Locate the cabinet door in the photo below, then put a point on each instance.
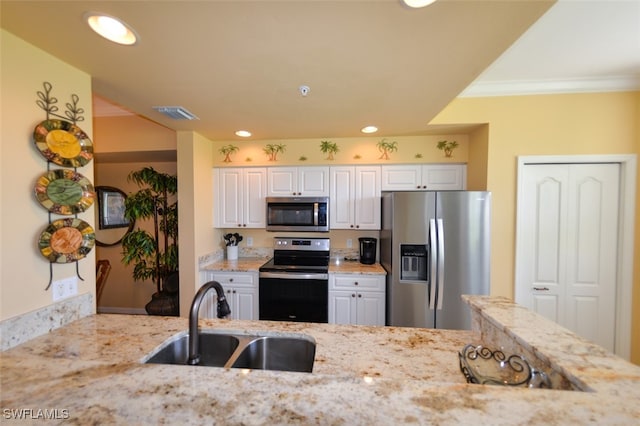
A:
(228, 198)
(246, 303)
(342, 194)
(442, 177)
(367, 198)
(313, 181)
(342, 307)
(282, 181)
(255, 192)
(401, 177)
(370, 308)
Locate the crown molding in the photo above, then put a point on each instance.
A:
(546, 87)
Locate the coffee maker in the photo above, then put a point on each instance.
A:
(367, 250)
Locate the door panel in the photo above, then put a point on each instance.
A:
(567, 246)
(592, 252)
(546, 305)
(542, 211)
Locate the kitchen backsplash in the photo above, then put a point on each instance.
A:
(21, 328)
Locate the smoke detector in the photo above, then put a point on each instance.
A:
(175, 112)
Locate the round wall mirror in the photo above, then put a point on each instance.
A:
(112, 225)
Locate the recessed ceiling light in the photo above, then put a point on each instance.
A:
(418, 3)
(243, 133)
(113, 29)
(369, 129)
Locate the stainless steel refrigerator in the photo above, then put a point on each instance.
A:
(435, 246)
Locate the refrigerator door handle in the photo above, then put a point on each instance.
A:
(433, 256)
(440, 263)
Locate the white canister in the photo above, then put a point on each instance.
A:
(232, 252)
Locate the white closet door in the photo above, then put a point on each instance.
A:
(592, 242)
(567, 246)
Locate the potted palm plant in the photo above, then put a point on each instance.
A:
(154, 256)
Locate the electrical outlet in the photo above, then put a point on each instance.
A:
(249, 241)
(66, 287)
(349, 243)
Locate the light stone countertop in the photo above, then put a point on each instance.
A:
(362, 375)
(252, 264)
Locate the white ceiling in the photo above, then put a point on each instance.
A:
(577, 46)
(239, 64)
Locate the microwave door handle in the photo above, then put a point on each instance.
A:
(315, 213)
(440, 263)
(433, 257)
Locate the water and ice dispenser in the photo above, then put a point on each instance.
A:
(413, 262)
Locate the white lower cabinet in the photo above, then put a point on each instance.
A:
(357, 299)
(241, 290)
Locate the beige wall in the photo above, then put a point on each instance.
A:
(195, 204)
(132, 133)
(354, 151)
(120, 291)
(24, 272)
(124, 136)
(573, 124)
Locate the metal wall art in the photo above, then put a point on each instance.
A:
(61, 191)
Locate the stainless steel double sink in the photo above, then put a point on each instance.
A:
(238, 350)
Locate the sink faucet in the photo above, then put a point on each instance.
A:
(223, 311)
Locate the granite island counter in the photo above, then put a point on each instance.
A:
(91, 372)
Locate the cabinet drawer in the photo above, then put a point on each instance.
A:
(355, 282)
(236, 280)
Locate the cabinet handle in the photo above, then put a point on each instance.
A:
(355, 283)
(541, 288)
(233, 291)
(353, 295)
(424, 186)
(350, 226)
(359, 295)
(230, 280)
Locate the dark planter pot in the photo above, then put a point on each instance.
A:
(164, 304)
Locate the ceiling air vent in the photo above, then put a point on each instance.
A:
(175, 112)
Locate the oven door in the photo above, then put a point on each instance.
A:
(294, 296)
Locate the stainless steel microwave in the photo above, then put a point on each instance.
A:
(298, 214)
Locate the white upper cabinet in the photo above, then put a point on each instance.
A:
(427, 177)
(298, 181)
(354, 197)
(240, 197)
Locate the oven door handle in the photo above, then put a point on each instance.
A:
(294, 275)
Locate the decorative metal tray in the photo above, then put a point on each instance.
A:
(484, 366)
